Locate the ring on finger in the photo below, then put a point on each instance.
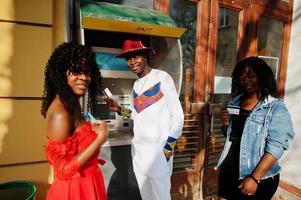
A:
(168, 153)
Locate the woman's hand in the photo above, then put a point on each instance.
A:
(248, 186)
(224, 117)
(101, 130)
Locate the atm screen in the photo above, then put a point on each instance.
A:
(111, 66)
(103, 113)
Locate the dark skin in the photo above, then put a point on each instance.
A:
(60, 124)
(138, 65)
(249, 82)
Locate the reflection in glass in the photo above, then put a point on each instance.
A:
(223, 19)
(226, 42)
(184, 14)
(221, 98)
(270, 34)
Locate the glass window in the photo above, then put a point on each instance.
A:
(226, 42)
(270, 34)
(226, 56)
(184, 14)
(223, 18)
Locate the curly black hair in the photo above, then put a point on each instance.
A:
(77, 59)
(265, 76)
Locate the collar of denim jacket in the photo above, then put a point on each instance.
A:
(265, 103)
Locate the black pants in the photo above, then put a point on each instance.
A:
(228, 181)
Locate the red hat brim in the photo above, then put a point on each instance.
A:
(136, 50)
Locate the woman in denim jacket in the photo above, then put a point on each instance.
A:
(259, 131)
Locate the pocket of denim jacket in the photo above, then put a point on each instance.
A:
(256, 124)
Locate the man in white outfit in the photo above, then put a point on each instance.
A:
(158, 122)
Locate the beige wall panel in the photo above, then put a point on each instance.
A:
(28, 50)
(35, 11)
(22, 131)
(59, 22)
(36, 173)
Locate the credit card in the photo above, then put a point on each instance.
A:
(107, 92)
(233, 110)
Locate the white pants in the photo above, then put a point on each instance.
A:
(153, 188)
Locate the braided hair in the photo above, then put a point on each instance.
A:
(265, 76)
(77, 59)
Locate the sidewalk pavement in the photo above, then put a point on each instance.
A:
(282, 194)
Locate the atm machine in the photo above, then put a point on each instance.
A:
(105, 26)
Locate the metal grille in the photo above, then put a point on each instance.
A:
(215, 144)
(187, 145)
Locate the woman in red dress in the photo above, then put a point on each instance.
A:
(73, 143)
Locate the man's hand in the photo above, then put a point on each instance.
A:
(167, 154)
(112, 105)
(169, 147)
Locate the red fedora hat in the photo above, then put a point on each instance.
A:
(133, 46)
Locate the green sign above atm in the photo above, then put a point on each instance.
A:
(119, 18)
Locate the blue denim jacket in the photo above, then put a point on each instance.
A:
(267, 129)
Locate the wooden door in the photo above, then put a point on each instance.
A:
(219, 33)
(240, 29)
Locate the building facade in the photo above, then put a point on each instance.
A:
(219, 33)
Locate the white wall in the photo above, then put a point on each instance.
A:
(291, 161)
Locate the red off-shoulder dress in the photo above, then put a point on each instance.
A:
(73, 182)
